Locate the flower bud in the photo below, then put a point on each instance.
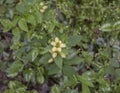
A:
(60, 42)
(41, 4)
(54, 55)
(50, 60)
(59, 49)
(42, 10)
(45, 7)
(56, 39)
(53, 43)
(54, 49)
(62, 45)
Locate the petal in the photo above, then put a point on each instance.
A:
(50, 60)
(62, 55)
(53, 43)
(42, 11)
(54, 54)
(56, 39)
(45, 7)
(54, 49)
(41, 4)
(62, 45)
(59, 49)
(60, 42)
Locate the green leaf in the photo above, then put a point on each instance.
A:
(59, 61)
(116, 26)
(33, 91)
(12, 84)
(69, 71)
(2, 10)
(74, 61)
(10, 13)
(1, 47)
(34, 54)
(2, 65)
(115, 64)
(72, 54)
(110, 69)
(84, 80)
(21, 8)
(117, 71)
(52, 71)
(85, 89)
(44, 59)
(29, 75)
(1, 2)
(40, 78)
(31, 19)
(23, 25)
(50, 26)
(16, 34)
(9, 91)
(16, 87)
(15, 21)
(55, 89)
(7, 24)
(106, 27)
(74, 40)
(69, 90)
(117, 90)
(14, 69)
(27, 58)
(38, 17)
(9, 1)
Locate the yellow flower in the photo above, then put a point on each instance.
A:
(57, 39)
(54, 54)
(59, 49)
(54, 49)
(62, 45)
(53, 43)
(42, 10)
(60, 42)
(41, 4)
(50, 60)
(45, 7)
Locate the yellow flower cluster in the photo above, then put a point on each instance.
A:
(44, 7)
(58, 45)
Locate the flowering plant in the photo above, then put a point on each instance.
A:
(57, 49)
(59, 46)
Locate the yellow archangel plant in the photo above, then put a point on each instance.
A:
(44, 7)
(57, 46)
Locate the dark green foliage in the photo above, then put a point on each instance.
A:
(59, 46)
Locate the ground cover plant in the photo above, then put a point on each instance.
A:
(59, 46)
